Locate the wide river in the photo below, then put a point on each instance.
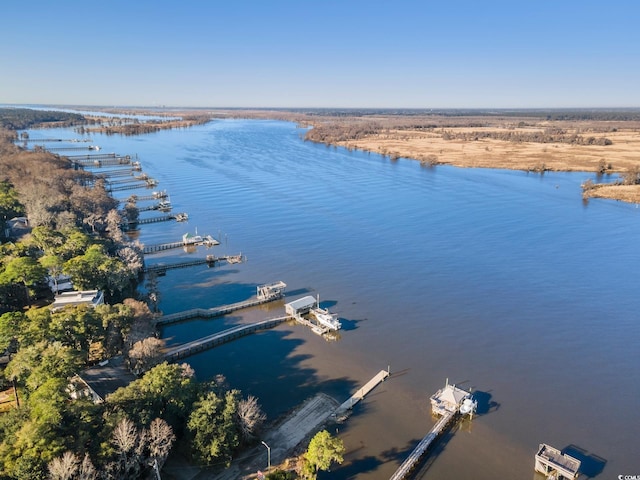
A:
(503, 282)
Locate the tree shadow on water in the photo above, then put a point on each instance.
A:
(266, 365)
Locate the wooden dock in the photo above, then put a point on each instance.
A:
(162, 218)
(213, 312)
(210, 260)
(207, 241)
(216, 339)
(412, 460)
(362, 392)
(128, 186)
(94, 156)
(120, 172)
(155, 206)
(60, 149)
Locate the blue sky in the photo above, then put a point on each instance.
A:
(359, 54)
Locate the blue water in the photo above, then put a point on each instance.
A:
(504, 282)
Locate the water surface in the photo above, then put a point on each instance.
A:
(500, 281)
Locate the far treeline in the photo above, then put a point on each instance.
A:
(21, 118)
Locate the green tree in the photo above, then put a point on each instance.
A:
(11, 324)
(36, 364)
(77, 242)
(53, 263)
(166, 391)
(36, 329)
(323, 451)
(46, 239)
(213, 427)
(25, 270)
(77, 327)
(96, 269)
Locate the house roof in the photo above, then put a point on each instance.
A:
(77, 298)
(107, 378)
(301, 303)
(452, 394)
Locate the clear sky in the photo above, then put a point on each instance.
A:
(322, 53)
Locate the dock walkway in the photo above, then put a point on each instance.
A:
(212, 312)
(413, 459)
(362, 392)
(210, 260)
(211, 341)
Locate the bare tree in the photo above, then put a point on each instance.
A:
(250, 416)
(114, 221)
(129, 444)
(87, 471)
(133, 258)
(161, 439)
(146, 354)
(64, 467)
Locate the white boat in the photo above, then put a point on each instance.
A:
(164, 204)
(468, 406)
(188, 239)
(326, 318)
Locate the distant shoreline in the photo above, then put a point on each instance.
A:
(597, 142)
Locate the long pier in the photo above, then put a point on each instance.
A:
(210, 260)
(207, 241)
(128, 186)
(216, 339)
(60, 149)
(213, 312)
(127, 179)
(92, 156)
(412, 460)
(73, 140)
(119, 172)
(362, 392)
(155, 206)
(154, 196)
(163, 218)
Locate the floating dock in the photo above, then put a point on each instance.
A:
(265, 294)
(555, 464)
(216, 339)
(451, 403)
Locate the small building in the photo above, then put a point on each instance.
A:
(555, 464)
(301, 306)
(448, 399)
(83, 297)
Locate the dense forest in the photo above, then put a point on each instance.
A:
(21, 118)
